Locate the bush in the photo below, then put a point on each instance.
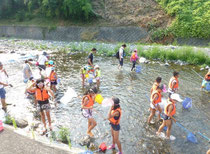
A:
(64, 134)
(191, 17)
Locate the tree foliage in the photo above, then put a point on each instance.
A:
(192, 17)
(65, 9)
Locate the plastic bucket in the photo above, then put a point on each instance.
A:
(1, 126)
(187, 103)
(86, 75)
(90, 80)
(102, 147)
(208, 86)
(99, 98)
(138, 69)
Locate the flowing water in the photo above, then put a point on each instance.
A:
(131, 88)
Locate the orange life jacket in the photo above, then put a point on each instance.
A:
(176, 86)
(52, 76)
(154, 87)
(90, 103)
(42, 95)
(112, 120)
(159, 97)
(166, 108)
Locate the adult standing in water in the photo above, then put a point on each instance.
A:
(121, 55)
(90, 57)
(42, 96)
(42, 61)
(2, 85)
(87, 109)
(173, 84)
(114, 117)
(27, 72)
(168, 116)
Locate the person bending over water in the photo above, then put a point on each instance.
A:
(87, 109)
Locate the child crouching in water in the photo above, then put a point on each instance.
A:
(97, 75)
(133, 59)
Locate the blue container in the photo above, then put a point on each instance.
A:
(191, 138)
(90, 80)
(208, 86)
(138, 69)
(187, 103)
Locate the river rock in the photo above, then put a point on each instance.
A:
(201, 69)
(207, 67)
(21, 122)
(166, 64)
(142, 60)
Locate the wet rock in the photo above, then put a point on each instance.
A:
(166, 64)
(202, 69)
(85, 141)
(142, 60)
(147, 62)
(22, 123)
(12, 52)
(207, 67)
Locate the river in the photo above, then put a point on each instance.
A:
(131, 88)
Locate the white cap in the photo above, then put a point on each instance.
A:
(96, 67)
(176, 97)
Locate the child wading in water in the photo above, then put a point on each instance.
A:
(134, 58)
(53, 79)
(114, 117)
(42, 96)
(97, 75)
(83, 72)
(87, 109)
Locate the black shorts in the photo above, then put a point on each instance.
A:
(53, 82)
(44, 105)
(165, 117)
(115, 127)
(121, 62)
(42, 67)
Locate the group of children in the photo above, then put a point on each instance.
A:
(169, 109)
(40, 89)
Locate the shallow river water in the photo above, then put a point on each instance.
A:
(135, 135)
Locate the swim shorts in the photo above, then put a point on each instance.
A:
(44, 105)
(2, 93)
(87, 113)
(115, 127)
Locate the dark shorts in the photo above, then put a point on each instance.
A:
(44, 105)
(115, 127)
(165, 117)
(121, 62)
(42, 67)
(53, 82)
(31, 93)
(2, 93)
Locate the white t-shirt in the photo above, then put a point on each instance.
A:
(42, 59)
(2, 78)
(121, 52)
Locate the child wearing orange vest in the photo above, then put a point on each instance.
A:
(29, 92)
(173, 83)
(53, 79)
(114, 117)
(154, 105)
(168, 116)
(87, 109)
(42, 97)
(156, 84)
(134, 58)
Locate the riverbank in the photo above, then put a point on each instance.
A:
(14, 141)
(166, 54)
